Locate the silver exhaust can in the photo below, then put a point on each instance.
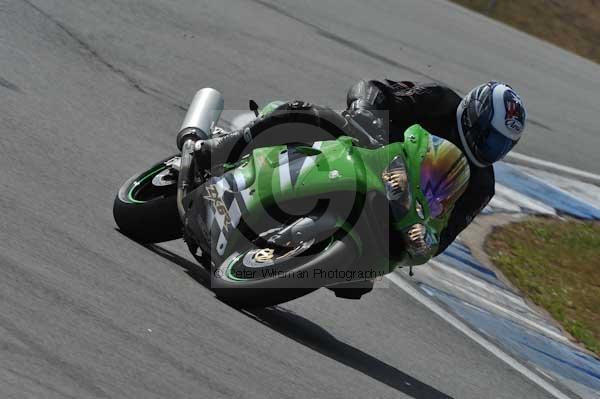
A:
(204, 112)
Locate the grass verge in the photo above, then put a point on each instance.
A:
(556, 263)
(573, 25)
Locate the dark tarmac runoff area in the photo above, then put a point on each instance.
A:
(92, 92)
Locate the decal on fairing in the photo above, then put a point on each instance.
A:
(292, 163)
(224, 212)
(218, 207)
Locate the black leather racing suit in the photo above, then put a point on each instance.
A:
(434, 107)
(401, 104)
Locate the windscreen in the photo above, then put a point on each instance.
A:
(444, 175)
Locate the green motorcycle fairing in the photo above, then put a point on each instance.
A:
(275, 175)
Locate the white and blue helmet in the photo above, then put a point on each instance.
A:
(491, 120)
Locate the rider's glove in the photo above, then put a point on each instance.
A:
(420, 243)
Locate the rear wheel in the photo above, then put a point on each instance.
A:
(145, 207)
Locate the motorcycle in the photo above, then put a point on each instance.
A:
(285, 220)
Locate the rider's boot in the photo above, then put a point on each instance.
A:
(230, 148)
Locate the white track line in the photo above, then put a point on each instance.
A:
(540, 163)
(487, 304)
(462, 327)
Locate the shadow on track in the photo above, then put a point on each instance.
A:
(316, 337)
(194, 270)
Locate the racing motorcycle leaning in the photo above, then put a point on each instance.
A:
(285, 220)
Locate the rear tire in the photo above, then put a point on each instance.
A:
(147, 212)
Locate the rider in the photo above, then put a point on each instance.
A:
(485, 125)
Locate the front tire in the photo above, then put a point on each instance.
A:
(145, 208)
(273, 290)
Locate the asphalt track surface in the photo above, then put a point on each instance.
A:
(94, 91)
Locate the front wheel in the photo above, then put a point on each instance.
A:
(262, 277)
(145, 207)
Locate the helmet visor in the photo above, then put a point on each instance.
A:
(495, 146)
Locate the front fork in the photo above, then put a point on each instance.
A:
(186, 175)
